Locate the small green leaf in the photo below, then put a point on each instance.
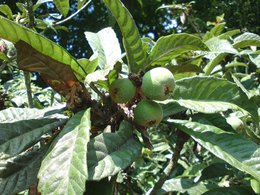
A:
(68, 151)
(63, 6)
(5, 9)
(80, 3)
(255, 58)
(247, 39)
(110, 153)
(106, 46)
(239, 152)
(229, 34)
(171, 46)
(214, 32)
(88, 65)
(132, 42)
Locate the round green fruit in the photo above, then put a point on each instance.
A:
(158, 84)
(148, 113)
(122, 90)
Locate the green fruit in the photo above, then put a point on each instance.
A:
(158, 84)
(148, 113)
(122, 90)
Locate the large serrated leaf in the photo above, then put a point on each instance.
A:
(171, 46)
(132, 42)
(21, 171)
(14, 32)
(63, 6)
(68, 152)
(218, 45)
(11, 115)
(247, 39)
(106, 45)
(19, 136)
(202, 88)
(111, 152)
(208, 107)
(239, 152)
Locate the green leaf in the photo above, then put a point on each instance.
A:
(214, 32)
(63, 6)
(88, 65)
(68, 151)
(214, 61)
(218, 45)
(237, 190)
(106, 46)
(255, 58)
(132, 42)
(110, 153)
(229, 34)
(171, 46)
(202, 88)
(247, 39)
(5, 9)
(14, 32)
(208, 107)
(21, 171)
(11, 115)
(183, 185)
(19, 136)
(80, 3)
(239, 152)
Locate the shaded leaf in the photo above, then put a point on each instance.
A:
(63, 6)
(237, 151)
(105, 44)
(23, 171)
(171, 46)
(68, 151)
(88, 65)
(247, 39)
(11, 115)
(59, 76)
(230, 191)
(110, 153)
(14, 32)
(132, 42)
(19, 136)
(184, 185)
(255, 58)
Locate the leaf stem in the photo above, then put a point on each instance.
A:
(27, 79)
(72, 15)
(181, 139)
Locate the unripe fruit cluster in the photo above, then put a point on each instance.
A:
(157, 84)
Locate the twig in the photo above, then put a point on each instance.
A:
(27, 76)
(72, 15)
(181, 139)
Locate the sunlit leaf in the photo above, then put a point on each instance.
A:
(202, 88)
(171, 46)
(63, 6)
(106, 45)
(68, 152)
(5, 9)
(14, 32)
(239, 152)
(131, 38)
(247, 39)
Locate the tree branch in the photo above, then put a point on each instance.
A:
(72, 15)
(181, 139)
